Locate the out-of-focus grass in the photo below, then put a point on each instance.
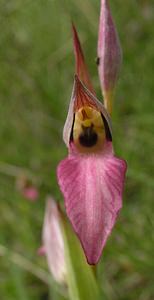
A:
(36, 76)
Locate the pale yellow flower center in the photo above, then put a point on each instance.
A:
(88, 130)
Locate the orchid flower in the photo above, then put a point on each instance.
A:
(91, 178)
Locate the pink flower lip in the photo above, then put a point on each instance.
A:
(92, 186)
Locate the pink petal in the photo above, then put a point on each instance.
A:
(81, 68)
(82, 96)
(109, 52)
(92, 186)
(53, 241)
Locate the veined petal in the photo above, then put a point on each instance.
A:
(81, 68)
(92, 186)
(109, 54)
(81, 96)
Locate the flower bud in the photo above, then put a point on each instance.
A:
(109, 54)
(53, 241)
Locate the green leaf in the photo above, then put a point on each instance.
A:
(82, 284)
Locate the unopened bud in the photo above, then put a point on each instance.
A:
(53, 241)
(109, 54)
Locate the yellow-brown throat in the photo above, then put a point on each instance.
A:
(88, 132)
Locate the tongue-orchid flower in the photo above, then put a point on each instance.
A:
(91, 178)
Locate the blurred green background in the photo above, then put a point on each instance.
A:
(36, 77)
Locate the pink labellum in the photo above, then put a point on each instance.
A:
(92, 185)
(81, 96)
(53, 241)
(81, 68)
(109, 53)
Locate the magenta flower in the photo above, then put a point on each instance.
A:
(91, 178)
